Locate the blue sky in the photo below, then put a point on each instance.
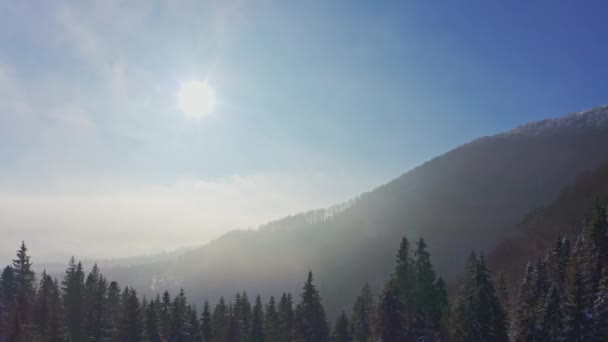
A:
(317, 101)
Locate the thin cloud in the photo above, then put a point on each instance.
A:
(73, 117)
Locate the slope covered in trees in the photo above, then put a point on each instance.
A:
(88, 307)
(469, 198)
(538, 230)
(562, 297)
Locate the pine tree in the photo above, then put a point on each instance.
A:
(48, 312)
(25, 286)
(491, 315)
(541, 284)
(165, 314)
(478, 313)
(243, 312)
(236, 316)
(153, 322)
(596, 228)
(404, 282)
(114, 306)
(194, 327)
(465, 325)
(96, 323)
(41, 309)
(73, 290)
(341, 331)
(503, 293)
(525, 318)
(426, 300)
(557, 264)
(131, 326)
(257, 322)
(592, 252)
(206, 324)
(442, 299)
(8, 295)
(310, 321)
(574, 308)
(286, 318)
(180, 319)
(442, 294)
(220, 321)
(600, 307)
(272, 323)
(231, 332)
(363, 314)
(390, 326)
(56, 326)
(551, 317)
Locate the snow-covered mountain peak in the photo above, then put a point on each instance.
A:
(592, 118)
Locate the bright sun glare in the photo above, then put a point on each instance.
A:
(196, 99)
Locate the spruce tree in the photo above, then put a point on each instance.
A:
(310, 320)
(47, 311)
(90, 290)
(404, 282)
(286, 318)
(592, 253)
(551, 317)
(442, 299)
(131, 326)
(56, 326)
(206, 324)
(525, 318)
(41, 308)
(243, 312)
(491, 314)
(574, 309)
(600, 307)
(165, 315)
(390, 326)
(442, 294)
(558, 258)
(25, 287)
(237, 318)
(114, 309)
(426, 300)
(8, 294)
(153, 322)
(194, 327)
(231, 332)
(96, 323)
(541, 284)
(220, 321)
(503, 294)
(478, 315)
(257, 322)
(465, 326)
(596, 228)
(180, 320)
(73, 291)
(362, 321)
(272, 323)
(341, 331)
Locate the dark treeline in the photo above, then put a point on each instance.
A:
(563, 297)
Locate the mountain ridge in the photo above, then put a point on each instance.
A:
(471, 196)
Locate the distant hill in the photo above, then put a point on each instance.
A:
(541, 227)
(470, 198)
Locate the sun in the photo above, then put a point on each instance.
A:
(196, 99)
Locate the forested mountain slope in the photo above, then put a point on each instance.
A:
(470, 198)
(540, 229)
